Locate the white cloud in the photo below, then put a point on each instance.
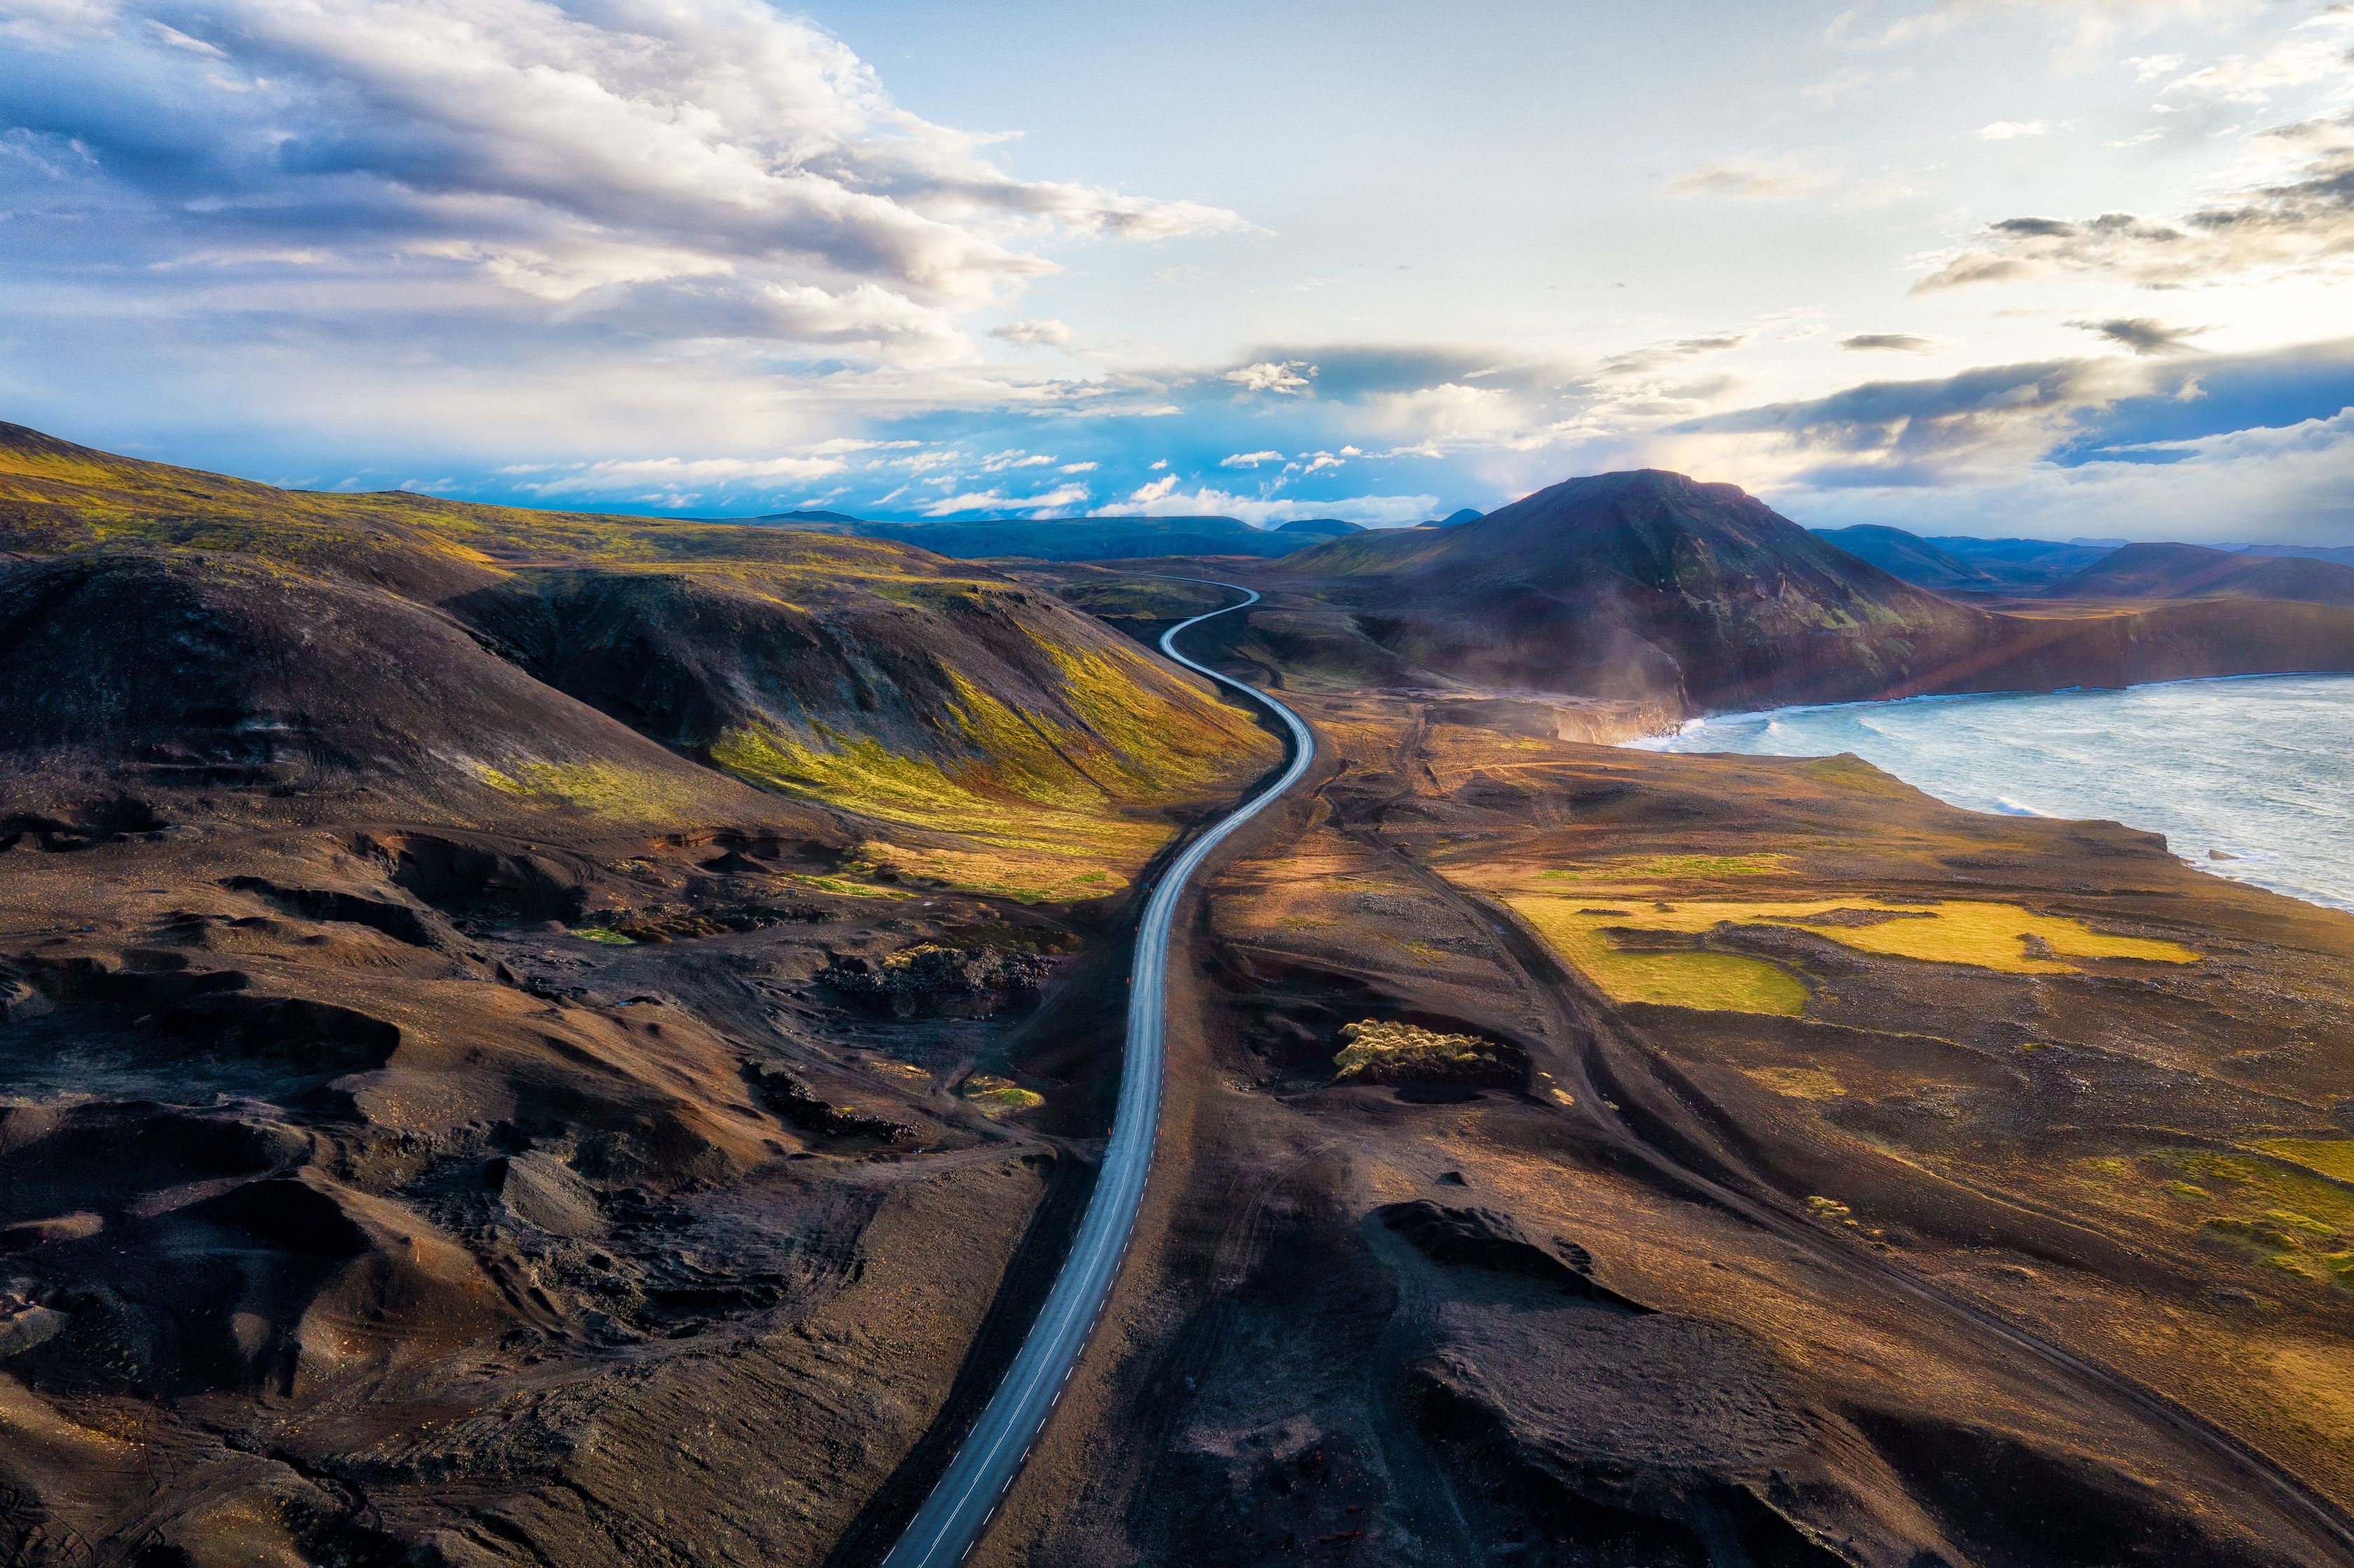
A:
(1056, 499)
(675, 475)
(2087, 27)
(2313, 51)
(1250, 460)
(1153, 495)
(1750, 178)
(1077, 467)
(2289, 484)
(742, 162)
(2302, 217)
(2012, 130)
(1162, 499)
(1290, 378)
(1034, 334)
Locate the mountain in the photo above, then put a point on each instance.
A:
(1683, 597)
(784, 518)
(1465, 514)
(1907, 556)
(295, 691)
(2018, 564)
(2342, 554)
(1319, 527)
(2194, 571)
(469, 662)
(1959, 563)
(1646, 586)
(484, 992)
(1074, 538)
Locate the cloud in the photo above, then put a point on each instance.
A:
(1250, 460)
(1290, 377)
(1034, 334)
(2313, 51)
(1751, 178)
(1640, 360)
(2087, 26)
(1044, 502)
(2287, 484)
(2302, 217)
(716, 168)
(1162, 499)
(676, 481)
(2143, 334)
(1890, 343)
(2012, 130)
(1948, 430)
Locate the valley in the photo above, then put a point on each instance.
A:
(568, 1038)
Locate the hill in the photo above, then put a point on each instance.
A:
(975, 732)
(1908, 555)
(495, 989)
(1960, 564)
(2193, 571)
(1643, 585)
(1651, 589)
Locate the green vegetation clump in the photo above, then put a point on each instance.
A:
(2003, 936)
(2330, 1156)
(994, 1098)
(604, 934)
(1715, 983)
(1798, 1083)
(1762, 863)
(1388, 1053)
(2289, 1220)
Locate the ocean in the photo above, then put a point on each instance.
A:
(2260, 768)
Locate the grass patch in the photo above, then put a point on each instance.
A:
(1798, 1083)
(2003, 936)
(1381, 1053)
(1714, 982)
(994, 1098)
(603, 789)
(604, 934)
(1676, 866)
(2330, 1156)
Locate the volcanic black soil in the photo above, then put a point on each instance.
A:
(533, 1039)
(1957, 1265)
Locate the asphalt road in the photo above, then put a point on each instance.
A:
(952, 1519)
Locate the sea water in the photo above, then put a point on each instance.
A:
(2259, 768)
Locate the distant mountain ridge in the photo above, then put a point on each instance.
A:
(2195, 571)
(1685, 596)
(1959, 563)
(1075, 538)
(1646, 586)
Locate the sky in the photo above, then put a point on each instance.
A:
(2067, 267)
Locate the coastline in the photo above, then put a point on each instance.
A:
(2270, 821)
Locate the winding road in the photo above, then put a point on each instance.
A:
(960, 1508)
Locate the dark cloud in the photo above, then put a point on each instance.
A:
(1930, 431)
(1889, 342)
(2143, 334)
(1637, 361)
(2302, 219)
(724, 149)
